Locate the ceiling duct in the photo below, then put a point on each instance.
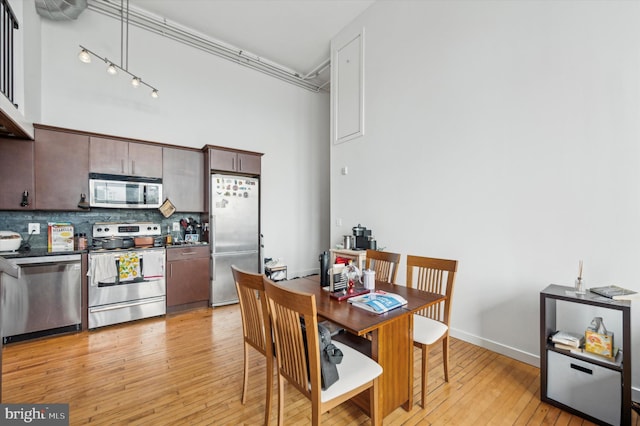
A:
(60, 10)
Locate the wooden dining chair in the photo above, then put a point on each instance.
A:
(256, 328)
(384, 263)
(357, 372)
(431, 325)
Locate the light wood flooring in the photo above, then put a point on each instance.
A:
(187, 369)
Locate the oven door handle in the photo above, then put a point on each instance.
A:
(126, 304)
(152, 279)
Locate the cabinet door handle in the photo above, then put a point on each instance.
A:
(133, 167)
(233, 163)
(240, 164)
(581, 368)
(122, 165)
(171, 270)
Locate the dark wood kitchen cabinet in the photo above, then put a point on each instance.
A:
(121, 157)
(187, 277)
(220, 159)
(16, 174)
(229, 160)
(61, 169)
(182, 178)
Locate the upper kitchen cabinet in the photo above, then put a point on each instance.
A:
(229, 160)
(61, 169)
(183, 182)
(120, 157)
(16, 174)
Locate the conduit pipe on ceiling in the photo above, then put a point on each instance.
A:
(178, 33)
(317, 70)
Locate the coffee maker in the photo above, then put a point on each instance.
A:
(364, 239)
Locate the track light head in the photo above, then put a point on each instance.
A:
(154, 93)
(84, 56)
(135, 81)
(111, 69)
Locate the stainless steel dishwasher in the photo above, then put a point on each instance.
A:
(44, 299)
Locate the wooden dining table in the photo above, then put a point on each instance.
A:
(387, 338)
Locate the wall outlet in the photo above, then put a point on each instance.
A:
(176, 226)
(34, 228)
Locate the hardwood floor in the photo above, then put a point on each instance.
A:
(187, 369)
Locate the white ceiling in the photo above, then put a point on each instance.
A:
(295, 34)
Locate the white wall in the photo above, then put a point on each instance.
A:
(203, 100)
(504, 135)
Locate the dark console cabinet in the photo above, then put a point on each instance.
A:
(597, 390)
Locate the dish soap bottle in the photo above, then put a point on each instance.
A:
(169, 240)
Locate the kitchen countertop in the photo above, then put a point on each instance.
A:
(38, 252)
(186, 245)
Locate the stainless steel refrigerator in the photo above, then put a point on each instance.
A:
(235, 233)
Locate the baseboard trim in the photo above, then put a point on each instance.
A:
(505, 350)
(514, 353)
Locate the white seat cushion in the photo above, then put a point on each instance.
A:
(355, 370)
(426, 330)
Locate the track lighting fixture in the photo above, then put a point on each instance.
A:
(112, 69)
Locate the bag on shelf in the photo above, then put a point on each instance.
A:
(597, 339)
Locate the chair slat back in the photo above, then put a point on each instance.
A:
(384, 263)
(254, 310)
(286, 308)
(435, 276)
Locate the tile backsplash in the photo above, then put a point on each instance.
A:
(18, 221)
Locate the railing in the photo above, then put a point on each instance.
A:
(8, 23)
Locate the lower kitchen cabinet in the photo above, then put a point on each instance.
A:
(187, 277)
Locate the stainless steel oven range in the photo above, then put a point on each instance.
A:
(125, 284)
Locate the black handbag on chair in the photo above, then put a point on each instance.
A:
(330, 355)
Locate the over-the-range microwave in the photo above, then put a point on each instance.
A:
(126, 192)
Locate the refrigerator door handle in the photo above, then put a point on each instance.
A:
(212, 233)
